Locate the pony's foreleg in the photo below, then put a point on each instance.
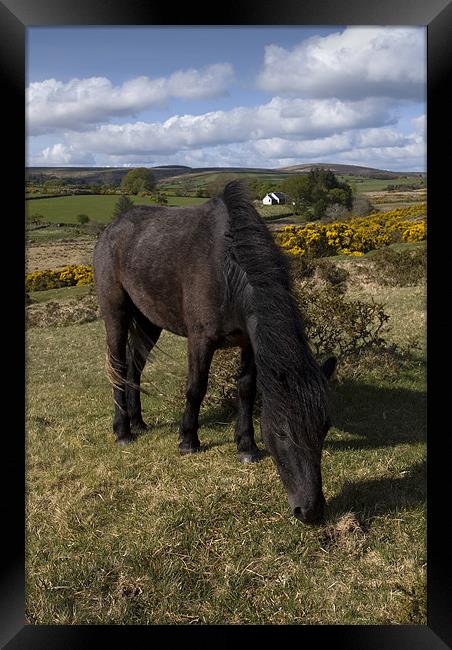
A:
(200, 353)
(246, 388)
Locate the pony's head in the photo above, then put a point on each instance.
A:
(298, 457)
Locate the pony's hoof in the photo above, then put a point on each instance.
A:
(249, 457)
(185, 451)
(139, 426)
(123, 442)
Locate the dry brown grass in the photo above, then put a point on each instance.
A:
(74, 311)
(405, 197)
(53, 255)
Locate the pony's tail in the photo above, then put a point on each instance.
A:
(139, 347)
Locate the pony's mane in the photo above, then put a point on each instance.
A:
(259, 287)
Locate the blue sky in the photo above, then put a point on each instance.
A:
(266, 97)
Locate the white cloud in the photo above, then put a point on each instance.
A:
(358, 62)
(62, 154)
(411, 157)
(378, 147)
(80, 103)
(420, 124)
(340, 97)
(351, 140)
(278, 118)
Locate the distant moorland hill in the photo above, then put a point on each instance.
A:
(113, 175)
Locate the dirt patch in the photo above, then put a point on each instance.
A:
(53, 255)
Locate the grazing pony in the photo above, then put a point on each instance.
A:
(213, 274)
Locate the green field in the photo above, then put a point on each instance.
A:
(365, 184)
(191, 182)
(202, 179)
(98, 207)
(144, 536)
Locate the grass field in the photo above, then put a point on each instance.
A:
(98, 207)
(142, 535)
(361, 183)
(365, 184)
(202, 179)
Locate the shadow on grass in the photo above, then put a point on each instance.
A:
(216, 416)
(380, 416)
(381, 496)
(370, 416)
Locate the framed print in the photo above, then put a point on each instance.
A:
(217, 180)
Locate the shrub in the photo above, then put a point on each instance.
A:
(335, 212)
(66, 277)
(357, 235)
(140, 179)
(28, 299)
(415, 232)
(94, 227)
(222, 386)
(42, 280)
(303, 267)
(82, 218)
(400, 268)
(123, 204)
(336, 325)
(160, 198)
(350, 329)
(35, 219)
(332, 274)
(223, 376)
(361, 206)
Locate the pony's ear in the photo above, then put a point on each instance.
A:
(329, 367)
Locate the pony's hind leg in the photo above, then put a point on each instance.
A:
(116, 315)
(246, 388)
(143, 335)
(200, 353)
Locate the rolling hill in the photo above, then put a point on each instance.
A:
(113, 175)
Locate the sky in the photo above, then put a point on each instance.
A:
(226, 96)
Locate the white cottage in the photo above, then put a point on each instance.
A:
(274, 198)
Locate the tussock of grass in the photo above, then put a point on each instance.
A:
(346, 533)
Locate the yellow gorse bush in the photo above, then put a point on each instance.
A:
(357, 235)
(68, 276)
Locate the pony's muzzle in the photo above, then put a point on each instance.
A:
(310, 514)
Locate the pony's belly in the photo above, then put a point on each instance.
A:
(166, 314)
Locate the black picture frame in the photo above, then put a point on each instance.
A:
(15, 17)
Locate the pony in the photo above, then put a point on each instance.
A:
(214, 274)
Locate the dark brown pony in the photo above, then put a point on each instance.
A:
(214, 274)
